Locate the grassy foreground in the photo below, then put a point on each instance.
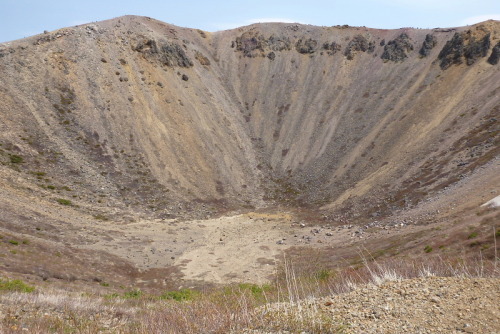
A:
(239, 308)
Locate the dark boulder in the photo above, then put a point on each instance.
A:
(397, 49)
(495, 55)
(428, 44)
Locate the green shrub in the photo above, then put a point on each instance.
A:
(15, 159)
(64, 201)
(132, 294)
(101, 217)
(15, 285)
(497, 233)
(112, 296)
(256, 290)
(323, 275)
(14, 242)
(427, 249)
(472, 235)
(181, 295)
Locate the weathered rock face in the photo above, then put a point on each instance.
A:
(452, 52)
(358, 44)
(249, 42)
(277, 43)
(428, 44)
(467, 45)
(476, 49)
(305, 46)
(495, 55)
(332, 48)
(169, 54)
(253, 44)
(397, 49)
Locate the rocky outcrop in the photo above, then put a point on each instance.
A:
(358, 44)
(276, 43)
(397, 49)
(169, 54)
(306, 46)
(452, 52)
(428, 44)
(495, 55)
(249, 42)
(466, 45)
(476, 49)
(332, 48)
(202, 59)
(252, 44)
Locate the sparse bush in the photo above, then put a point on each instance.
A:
(14, 242)
(427, 249)
(256, 290)
(472, 235)
(323, 275)
(64, 201)
(181, 295)
(132, 294)
(15, 285)
(112, 296)
(15, 159)
(101, 217)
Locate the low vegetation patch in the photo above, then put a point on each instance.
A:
(283, 305)
(63, 201)
(15, 159)
(181, 295)
(15, 285)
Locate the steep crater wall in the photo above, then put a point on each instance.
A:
(135, 113)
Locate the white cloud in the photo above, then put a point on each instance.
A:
(480, 18)
(227, 26)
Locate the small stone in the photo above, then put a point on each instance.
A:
(435, 300)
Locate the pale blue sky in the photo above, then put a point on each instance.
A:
(22, 18)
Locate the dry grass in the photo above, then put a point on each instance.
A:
(284, 305)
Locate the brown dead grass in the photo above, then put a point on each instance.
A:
(231, 309)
